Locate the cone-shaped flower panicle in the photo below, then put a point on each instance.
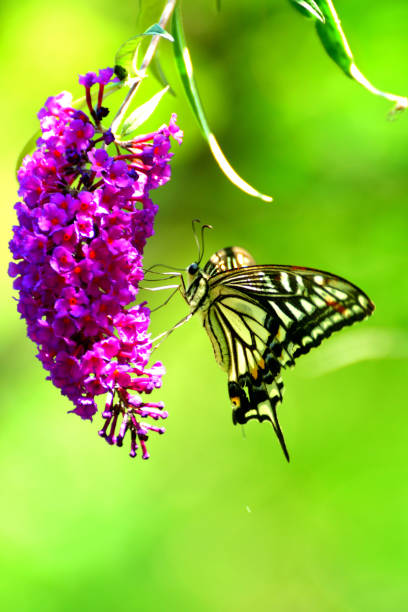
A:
(83, 220)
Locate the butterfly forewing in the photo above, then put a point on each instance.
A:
(308, 304)
(261, 318)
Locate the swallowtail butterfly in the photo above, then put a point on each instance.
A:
(261, 318)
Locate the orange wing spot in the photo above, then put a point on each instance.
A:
(280, 335)
(254, 372)
(336, 306)
(261, 363)
(236, 401)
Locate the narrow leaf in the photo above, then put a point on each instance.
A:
(185, 68)
(308, 8)
(126, 53)
(335, 43)
(142, 113)
(155, 30)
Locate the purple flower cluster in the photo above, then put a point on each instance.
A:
(83, 222)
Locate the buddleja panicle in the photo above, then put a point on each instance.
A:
(83, 220)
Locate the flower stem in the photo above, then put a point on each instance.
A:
(151, 50)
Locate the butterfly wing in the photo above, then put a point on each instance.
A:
(229, 258)
(307, 305)
(241, 333)
(261, 318)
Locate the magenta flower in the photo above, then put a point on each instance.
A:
(83, 222)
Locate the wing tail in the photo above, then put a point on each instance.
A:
(257, 400)
(278, 431)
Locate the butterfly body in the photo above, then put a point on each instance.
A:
(197, 294)
(260, 318)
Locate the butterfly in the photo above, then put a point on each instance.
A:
(261, 318)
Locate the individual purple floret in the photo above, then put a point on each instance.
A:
(83, 222)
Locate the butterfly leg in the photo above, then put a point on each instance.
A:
(167, 300)
(162, 337)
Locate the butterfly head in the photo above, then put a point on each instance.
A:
(196, 294)
(195, 277)
(193, 269)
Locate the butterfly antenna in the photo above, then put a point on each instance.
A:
(195, 234)
(201, 252)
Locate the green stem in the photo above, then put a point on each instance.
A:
(151, 50)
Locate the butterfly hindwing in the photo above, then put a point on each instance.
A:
(261, 318)
(241, 341)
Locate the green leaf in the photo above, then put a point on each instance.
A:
(155, 30)
(126, 55)
(308, 8)
(185, 69)
(142, 113)
(334, 41)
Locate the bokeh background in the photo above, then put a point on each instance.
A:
(216, 520)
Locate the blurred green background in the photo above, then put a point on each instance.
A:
(216, 520)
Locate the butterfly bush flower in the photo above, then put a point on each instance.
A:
(83, 220)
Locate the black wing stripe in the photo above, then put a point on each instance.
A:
(230, 330)
(262, 344)
(282, 313)
(227, 259)
(270, 324)
(257, 281)
(218, 339)
(236, 323)
(255, 392)
(252, 328)
(242, 365)
(267, 344)
(232, 366)
(231, 334)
